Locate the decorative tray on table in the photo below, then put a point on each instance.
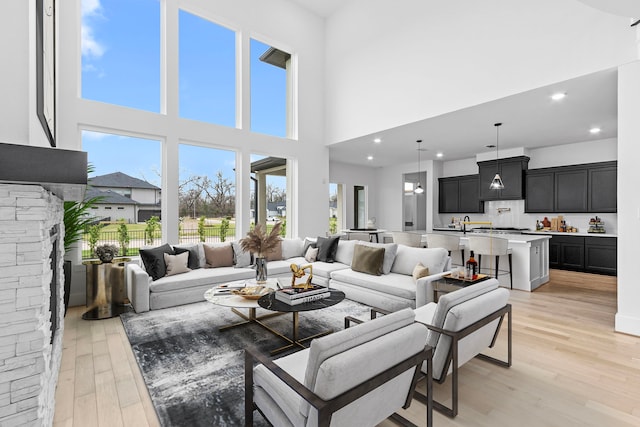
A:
(462, 280)
(252, 292)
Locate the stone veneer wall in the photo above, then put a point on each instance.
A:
(29, 364)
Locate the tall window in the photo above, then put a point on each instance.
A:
(207, 71)
(120, 42)
(269, 89)
(268, 190)
(207, 194)
(126, 176)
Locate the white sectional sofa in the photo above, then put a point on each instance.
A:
(391, 291)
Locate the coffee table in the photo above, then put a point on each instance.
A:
(270, 302)
(236, 302)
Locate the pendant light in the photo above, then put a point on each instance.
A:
(419, 189)
(497, 184)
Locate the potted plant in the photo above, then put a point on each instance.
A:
(258, 242)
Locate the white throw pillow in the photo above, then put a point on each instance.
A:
(407, 258)
(292, 248)
(344, 254)
(311, 255)
(177, 264)
(240, 258)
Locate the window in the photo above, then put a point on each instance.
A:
(207, 194)
(207, 71)
(120, 43)
(269, 191)
(108, 208)
(120, 208)
(269, 110)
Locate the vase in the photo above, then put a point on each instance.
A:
(261, 270)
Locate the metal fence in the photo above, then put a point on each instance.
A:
(137, 239)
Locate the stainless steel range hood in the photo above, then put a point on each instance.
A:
(63, 172)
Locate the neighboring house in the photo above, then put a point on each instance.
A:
(275, 209)
(124, 197)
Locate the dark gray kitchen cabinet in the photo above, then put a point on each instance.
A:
(570, 190)
(588, 188)
(459, 194)
(539, 191)
(603, 189)
(601, 255)
(588, 254)
(512, 173)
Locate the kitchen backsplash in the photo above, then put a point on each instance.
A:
(510, 213)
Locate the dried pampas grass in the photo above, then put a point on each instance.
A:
(259, 242)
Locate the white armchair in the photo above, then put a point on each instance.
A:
(358, 376)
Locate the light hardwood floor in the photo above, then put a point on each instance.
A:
(569, 367)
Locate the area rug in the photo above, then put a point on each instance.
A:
(194, 373)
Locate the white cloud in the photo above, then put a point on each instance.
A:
(90, 46)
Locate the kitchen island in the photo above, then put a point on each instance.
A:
(530, 258)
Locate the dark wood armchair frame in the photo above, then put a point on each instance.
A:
(326, 408)
(452, 357)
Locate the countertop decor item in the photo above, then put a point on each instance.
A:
(107, 252)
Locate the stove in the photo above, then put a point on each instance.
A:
(499, 230)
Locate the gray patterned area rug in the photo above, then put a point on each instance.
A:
(194, 373)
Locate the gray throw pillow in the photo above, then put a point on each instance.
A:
(240, 258)
(194, 261)
(390, 250)
(327, 247)
(367, 260)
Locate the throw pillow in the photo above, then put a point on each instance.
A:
(218, 256)
(308, 242)
(275, 254)
(241, 258)
(292, 248)
(153, 260)
(367, 260)
(327, 247)
(419, 271)
(390, 250)
(177, 264)
(311, 255)
(194, 262)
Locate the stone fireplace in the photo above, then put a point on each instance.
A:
(31, 303)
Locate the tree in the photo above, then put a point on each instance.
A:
(201, 228)
(224, 229)
(275, 194)
(123, 237)
(152, 225)
(94, 237)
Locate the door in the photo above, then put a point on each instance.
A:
(360, 207)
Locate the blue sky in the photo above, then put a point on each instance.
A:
(121, 65)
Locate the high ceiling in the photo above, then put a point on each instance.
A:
(323, 8)
(530, 120)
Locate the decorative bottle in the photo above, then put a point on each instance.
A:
(471, 268)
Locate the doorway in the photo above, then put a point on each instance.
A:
(359, 206)
(414, 206)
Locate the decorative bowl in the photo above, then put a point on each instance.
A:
(252, 292)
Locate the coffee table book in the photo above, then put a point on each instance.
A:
(294, 293)
(302, 300)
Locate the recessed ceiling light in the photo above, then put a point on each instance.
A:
(595, 130)
(377, 140)
(369, 157)
(439, 154)
(558, 96)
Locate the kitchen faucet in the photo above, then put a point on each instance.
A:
(464, 223)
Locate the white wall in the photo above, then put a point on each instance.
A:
(350, 176)
(628, 315)
(388, 65)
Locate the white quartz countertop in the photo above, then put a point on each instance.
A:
(560, 233)
(514, 238)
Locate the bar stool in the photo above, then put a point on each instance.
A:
(450, 243)
(492, 246)
(408, 239)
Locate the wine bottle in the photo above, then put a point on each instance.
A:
(471, 268)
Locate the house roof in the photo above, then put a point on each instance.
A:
(108, 197)
(120, 180)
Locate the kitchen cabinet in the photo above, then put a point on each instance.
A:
(603, 188)
(588, 254)
(589, 188)
(512, 173)
(459, 194)
(601, 255)
(539, 191)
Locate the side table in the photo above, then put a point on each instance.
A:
(106, 291)
(447, 284)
